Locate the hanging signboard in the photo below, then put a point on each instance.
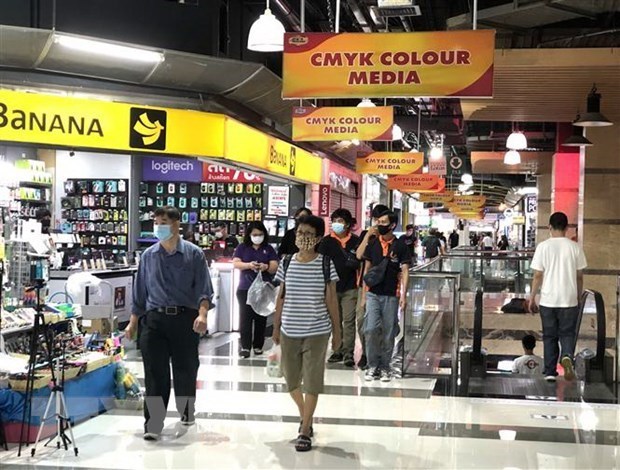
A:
(390, 163)
(437, 167)
(437, 64)
(468, 203)
(456, 166)
(277, 201)
(417, 183)
(437, 198)
(212, 173)
(350, 123)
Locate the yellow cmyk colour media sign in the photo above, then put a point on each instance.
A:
(390, 163)
(345, 123)
(60, 121)
(433, 64)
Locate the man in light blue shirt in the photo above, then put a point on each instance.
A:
(172, 295)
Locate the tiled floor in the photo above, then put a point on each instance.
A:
(247, 420)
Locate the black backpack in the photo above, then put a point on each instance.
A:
(327, 275)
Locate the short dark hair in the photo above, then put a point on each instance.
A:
(168, 211)
(221, 225)
(379, 210)
(558, 221)
(409, 227)
(529, 342)
(302, 209)
(43, 213)
(392, 217)
(315, 222)
(247, 240)
(343, 214)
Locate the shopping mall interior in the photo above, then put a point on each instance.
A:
(471, 121)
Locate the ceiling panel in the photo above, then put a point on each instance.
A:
(493, 163)
(548, 85)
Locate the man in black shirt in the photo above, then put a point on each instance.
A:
(432, 245)
(340, 246)
(223, 241)
(454, 239)
(383, 300)
(410, 238)
(287, 245)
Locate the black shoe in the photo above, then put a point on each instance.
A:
(349, 362)
(187, 421)
(151, 436)
(244, 353)
(336, 357)
(363, 363)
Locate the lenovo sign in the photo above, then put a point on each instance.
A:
(324, 199)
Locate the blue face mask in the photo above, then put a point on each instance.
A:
(162, 232)
(338, 228)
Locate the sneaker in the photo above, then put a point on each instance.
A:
(244, 353)
(371, 374)
(336, 357)
(550, 378)
(258, 351)
(569, 368)
(363, 363)
(188, 421)
(386, 376)
(151, 436)
(349, 362)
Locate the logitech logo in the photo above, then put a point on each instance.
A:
(170, 165)
(147, 128)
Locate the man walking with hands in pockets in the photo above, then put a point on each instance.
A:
(558, 266)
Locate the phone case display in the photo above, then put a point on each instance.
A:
(97, 210)
(202, 205)
(35, 187)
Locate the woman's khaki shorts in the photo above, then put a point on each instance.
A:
(303, 362)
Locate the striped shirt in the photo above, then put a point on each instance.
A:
(305, 311)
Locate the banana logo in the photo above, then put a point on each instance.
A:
(150, 131)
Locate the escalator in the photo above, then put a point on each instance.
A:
(485, 373)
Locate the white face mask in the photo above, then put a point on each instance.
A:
(219, 235)
(257, 239)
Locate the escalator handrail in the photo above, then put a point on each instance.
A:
(601, 324)
(478, 316)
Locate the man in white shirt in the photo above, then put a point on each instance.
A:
(529, 363)
(558, 266)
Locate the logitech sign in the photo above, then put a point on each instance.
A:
(183, 170)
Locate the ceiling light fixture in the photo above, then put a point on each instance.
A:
(593, 116)
(512, 157)
(436, 153)
(467, 179)
(266, 33)
(95, 46)
(516, 141)
(397, 132)
(366, 103)
(577, 139)
(355, 142)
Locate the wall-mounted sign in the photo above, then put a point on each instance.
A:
(417, 183)
(437, 167)
(277, 201)
(518, 220)
(317, 124)
(531, 204)
(390, 163)
(438, 64)
(212, 173)
(171, 169)
(325, 192)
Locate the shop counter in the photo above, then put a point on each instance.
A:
(121, 281)
(227, 308)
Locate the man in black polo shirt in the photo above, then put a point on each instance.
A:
(383, 300)
(223, 241)
(340, 246)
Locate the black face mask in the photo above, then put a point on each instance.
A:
(384, 229)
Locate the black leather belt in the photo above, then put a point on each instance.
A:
(174, 310)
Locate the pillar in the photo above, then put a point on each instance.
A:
(599, 215)
(566, 179)
(544, 184)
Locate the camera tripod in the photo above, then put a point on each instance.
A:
(57, 396)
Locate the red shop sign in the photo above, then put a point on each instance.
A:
(222, 174)
(324, 199)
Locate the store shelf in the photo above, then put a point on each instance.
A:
(33, 184)
(147, 240)
(34, 201)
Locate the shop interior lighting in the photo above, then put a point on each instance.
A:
(94, 46)
(593, 116)
(355, 142)
(516, 141)
(397, 132)
(366, 103)
(577, 139)
(512, 157)
(266, 33)
(467, 179)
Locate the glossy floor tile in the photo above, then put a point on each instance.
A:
(247, 420)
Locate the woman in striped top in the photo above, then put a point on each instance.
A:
(306, 314)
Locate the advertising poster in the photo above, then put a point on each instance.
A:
(417, 183)
(357, 65)
(390, 163)
(277, 201)
(345, 123)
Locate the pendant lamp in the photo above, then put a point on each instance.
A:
(467, 179)
(366, 103)
(593, 116)
(577, 139)
(512, 157)
(266, 33)
(397, 132)
(516, 141)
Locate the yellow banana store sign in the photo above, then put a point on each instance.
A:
(60, 121)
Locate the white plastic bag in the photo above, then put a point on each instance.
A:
(262, 296)
(274, 358)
